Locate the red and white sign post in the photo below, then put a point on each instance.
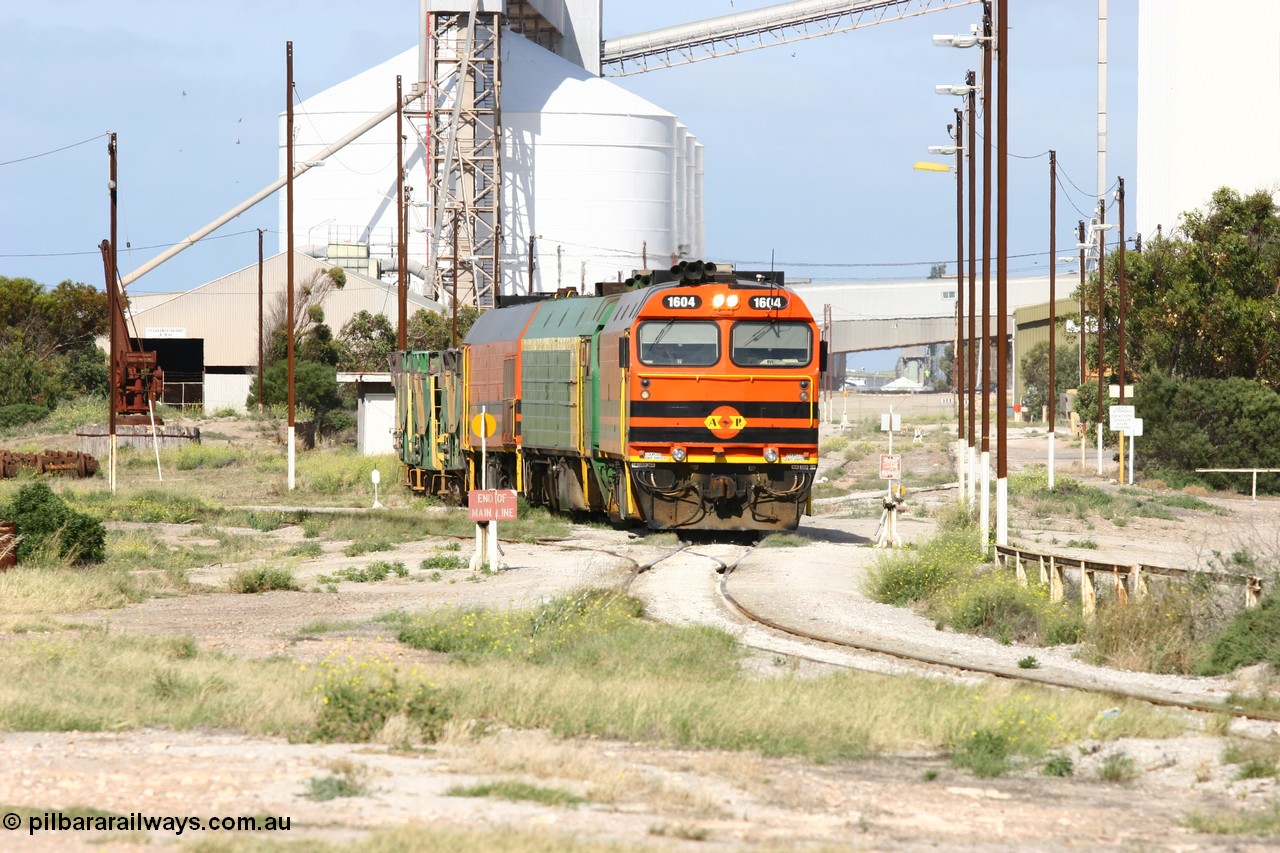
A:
(891, 471)
(486, 506)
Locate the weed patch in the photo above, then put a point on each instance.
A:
(363, 700)
(262, 579)
(378, 570)
(519, 792)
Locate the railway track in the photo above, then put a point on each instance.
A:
(725, 564)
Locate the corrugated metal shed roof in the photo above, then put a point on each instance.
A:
(224, 312)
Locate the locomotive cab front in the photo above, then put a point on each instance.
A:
(721, 397)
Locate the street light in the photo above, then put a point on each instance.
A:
(969, 39)
(945, 149)
(959, 89)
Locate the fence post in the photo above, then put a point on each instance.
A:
(1044, 577)
(1055, 580)
(1018, 570)
(1137, 583)
(1088, 595)
(1122, 593)
(1252, 592)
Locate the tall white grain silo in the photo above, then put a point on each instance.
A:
(589, 173)
(1208, 104)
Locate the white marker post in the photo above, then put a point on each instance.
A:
(376, 476)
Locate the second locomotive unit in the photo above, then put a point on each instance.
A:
(686, 404)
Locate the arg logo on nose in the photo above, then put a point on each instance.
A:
(725, 422)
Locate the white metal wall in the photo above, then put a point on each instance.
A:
(226, 391)
(375, 416)
(1208, 104)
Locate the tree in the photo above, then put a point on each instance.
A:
(47, 341)
(1205, 304)
(429, 330)
(307, 315)
(366, 341)
(1035, 374)
(315, 387)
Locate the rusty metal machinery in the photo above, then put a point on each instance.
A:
(69, 462)
(136, 377)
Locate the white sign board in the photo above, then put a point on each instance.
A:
(890, 423)
(1121, 418)
(1135, 428)
(890, 466)
(164, 332)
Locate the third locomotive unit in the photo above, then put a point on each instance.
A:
(685, 404)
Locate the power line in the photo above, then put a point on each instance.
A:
(129, 249)
(54, 151)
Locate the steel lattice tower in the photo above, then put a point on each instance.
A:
(465, 156)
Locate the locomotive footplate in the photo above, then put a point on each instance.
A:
(721, 497)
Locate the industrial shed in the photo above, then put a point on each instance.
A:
(207, 338)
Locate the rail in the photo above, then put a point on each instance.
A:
(1130, 579)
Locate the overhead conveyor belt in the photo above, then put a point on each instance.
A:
(743, 31)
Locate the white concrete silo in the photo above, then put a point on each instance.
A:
(589, 171)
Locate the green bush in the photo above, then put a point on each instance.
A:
(994, 605)
(43, 519)
(910, 576)
(1210, 423)
(1252, 637)
(262, 579)
(21, 413)
(358, 698)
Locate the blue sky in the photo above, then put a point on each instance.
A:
(810, 146)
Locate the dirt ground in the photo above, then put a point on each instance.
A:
(667, 798)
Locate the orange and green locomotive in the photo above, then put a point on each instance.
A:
(684, 404)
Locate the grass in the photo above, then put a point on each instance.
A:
(378, 570)
(262, 579)
(347, 779)
(785, 540)
(97, 681)
(517, 792)
(415, 838)
(589, 665)
(1170, 630)
(1119, 768)
(1263, 823)
(47, 590)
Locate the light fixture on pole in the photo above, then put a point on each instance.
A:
(969, 39)
(980, 36)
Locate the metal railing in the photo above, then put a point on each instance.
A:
(1254, 471)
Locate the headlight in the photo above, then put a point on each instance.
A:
(717, 301)
(678, 454)
(733, 300)
(770, 454)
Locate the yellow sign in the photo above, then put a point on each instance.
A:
(484, 425)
